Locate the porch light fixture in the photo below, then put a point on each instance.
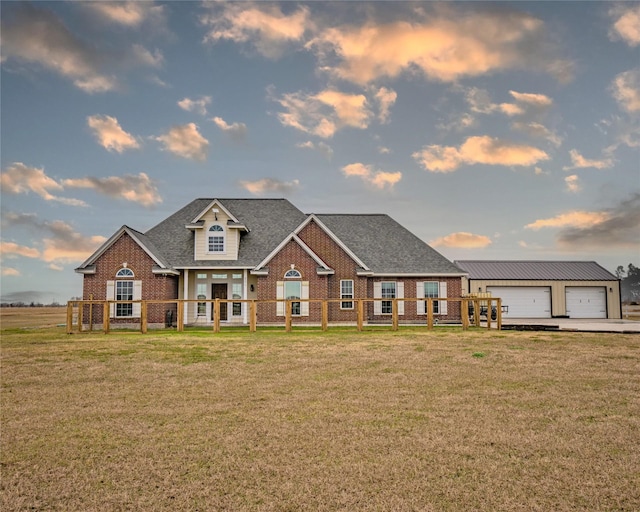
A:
(251, 288)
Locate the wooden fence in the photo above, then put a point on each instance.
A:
(487, 307)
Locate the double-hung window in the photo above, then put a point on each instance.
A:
(388, 292)
(293, 291)
(124, 291)
(346, 292)
(216, 239)
(432, 291)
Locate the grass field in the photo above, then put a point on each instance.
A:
(378, 420)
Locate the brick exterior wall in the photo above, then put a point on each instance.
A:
(154, 286)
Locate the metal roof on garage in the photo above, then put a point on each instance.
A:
(536, 270)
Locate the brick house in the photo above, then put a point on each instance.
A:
(267, 249)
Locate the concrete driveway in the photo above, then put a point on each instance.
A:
(573, 324)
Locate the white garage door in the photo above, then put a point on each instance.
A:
(586, 301)
(524, 301)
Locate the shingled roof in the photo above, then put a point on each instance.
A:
(536, 270)
(385, 246)
(269, 221)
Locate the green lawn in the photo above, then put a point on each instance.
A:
(378, 420)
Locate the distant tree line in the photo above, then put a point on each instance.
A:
(20, 304)
(629, 282)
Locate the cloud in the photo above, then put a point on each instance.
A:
(526, 104)
(478, 150)
(614, 227)
(445, 44)
(627, 23)
(626, 90)
(130, 14)
(573, 183)
(266, 185)
(12, 249)
(199, 106)
(324, 113)
(38, 36)
(580, 162)
(462, 240)
(19, 178)
(61, 243)
(378, 179)
(262, 25)
(110, 134)
(385, 98)
(143, 56)
(538, 130)
(10, 272)
(236, 131)
(573, 219)
(138, 189)
(185, 141)
(321, 147)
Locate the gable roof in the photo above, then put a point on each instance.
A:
(322, 266)
(386, 247)
(141, 239)
(269, 222)
(536, 270)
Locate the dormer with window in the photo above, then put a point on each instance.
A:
(216, 233)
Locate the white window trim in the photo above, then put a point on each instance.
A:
(347, 299)
(377, 294)
(442, 294)
(137, 295)
(222, 234)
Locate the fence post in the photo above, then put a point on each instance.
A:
(489, 307)
(394, 313)
(499, 311)
(80, 313)
(252, 316)
(216, 315)
(91, 312)
(360, 313)
(325, 315)
(464, 313)
(143, 317)
(69, 317)
(429, 307)
(180, 315)
(105, 317)
(287, 318)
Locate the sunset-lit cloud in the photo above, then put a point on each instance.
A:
(147, 58)
(526, 104)
(478, 150)
(573, 183)
(575, 219)
(263, 25)
(269, 185)
(324, 113)
(580, 162)
(378, 179)
(130, 14)
(19, 178)
(462, 240)
(321, 147)
(236, 131)
(9, 249)
(136, 188)
(36, 35)
(110, 135)
(199, 105)
(185, 141)
(385, 98)
(626, 24)
(538, 131)
(445, 45)
(10, 272)
(626, 90)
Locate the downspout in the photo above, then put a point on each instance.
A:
(185, 293)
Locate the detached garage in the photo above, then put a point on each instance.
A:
(546, 289)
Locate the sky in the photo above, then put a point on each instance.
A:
(507, 130)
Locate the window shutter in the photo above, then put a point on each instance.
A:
(304, 306)
(280, 296)
(137, 295)
(400, 295)
(111, 290)
(377, 294)
(443, 294)
(419, 294)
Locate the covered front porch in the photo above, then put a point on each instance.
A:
(208, 284)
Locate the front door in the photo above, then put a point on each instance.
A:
(219, 291)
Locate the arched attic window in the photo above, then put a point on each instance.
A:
(216, 238)
(292, 274)
(124, 272)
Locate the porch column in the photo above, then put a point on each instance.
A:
(245, 296)
(185, 293)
